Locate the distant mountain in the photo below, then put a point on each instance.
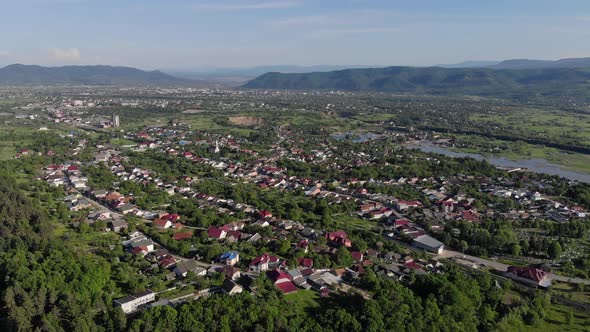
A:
(18, 74)
(436, 80)
(255, 71)
(538, 64)
(239, 76)
(470, 64)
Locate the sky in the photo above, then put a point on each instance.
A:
(191, 34)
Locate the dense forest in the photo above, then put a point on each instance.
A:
(436, 80)
(47, 283)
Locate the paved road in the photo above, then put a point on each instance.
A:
(477, 260)
(503, 267)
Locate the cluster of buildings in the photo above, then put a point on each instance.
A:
(441, 201)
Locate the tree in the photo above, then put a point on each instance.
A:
(213, 251)
(515, 249)
(569, 317)
(554, 249)
(463, 245)
(344, 258)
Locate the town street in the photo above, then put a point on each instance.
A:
(503, 267)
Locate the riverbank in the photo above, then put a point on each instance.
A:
(520, 150)
(539, 165)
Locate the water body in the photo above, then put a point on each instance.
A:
(535, 165)
(356, 137)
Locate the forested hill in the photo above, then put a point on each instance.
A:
(436, 80)
(535, 64)
(17, 75)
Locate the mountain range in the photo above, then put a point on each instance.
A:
(540, 64)
(18, 75)
(436, 80)
(471, 77)
(523, 64)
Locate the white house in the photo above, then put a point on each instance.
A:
(131, 303)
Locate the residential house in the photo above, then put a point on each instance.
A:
(263, 263)
(162, 223)
(529, 275)
(182, 236)
(230, 258)
(231, 287)
(132, 303)
(339, 238)
(232, 272)
(305, 262)
(402, 205)
(118, 225)
(216, 233)
(282, 281)
(357, 256)
(189, 265)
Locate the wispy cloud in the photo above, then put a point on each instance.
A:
(67, 54)
(247, 5)
(301, 20)
(4, 53)
(322, 33)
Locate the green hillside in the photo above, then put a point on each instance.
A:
(436, 80)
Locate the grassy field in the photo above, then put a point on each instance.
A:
(12, 137)
(571, 292)
(351, 223)
(303, 300)
(555, 317)
(555, 320)
(541, 122)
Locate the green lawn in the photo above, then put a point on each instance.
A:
(570, 291)
(555, 320)
(303, 299)
(512, 261)
(351, 223)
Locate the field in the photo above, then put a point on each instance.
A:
(571, 292)
(12, 137)
(555, 320)
(303, 300)
(347, 222)
(541, 122)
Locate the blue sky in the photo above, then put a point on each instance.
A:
(240, 33)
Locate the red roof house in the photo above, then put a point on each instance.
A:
(357, 256)
(265, 214)
(529, 275)
(162, 223)
(305, 262)
(182, 236)
(216, 233)
(264, 263)
(339, 238)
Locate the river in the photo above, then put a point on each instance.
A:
(535, 165)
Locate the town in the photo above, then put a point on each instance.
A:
(198, 207)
